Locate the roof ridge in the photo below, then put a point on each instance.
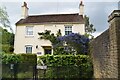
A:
(55, 14)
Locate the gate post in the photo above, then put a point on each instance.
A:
(114, 32)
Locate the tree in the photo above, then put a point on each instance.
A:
(7, 41)
(89, 28)
(59, 33)
(75, 43)
(7, 37)
(47, 36)
(4, 21)
(71, 44)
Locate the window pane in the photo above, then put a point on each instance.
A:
(29, 30)
(28, 49)
(68, 30)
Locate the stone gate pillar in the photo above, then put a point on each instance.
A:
(114, 35)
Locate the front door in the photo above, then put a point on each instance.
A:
(47, 51)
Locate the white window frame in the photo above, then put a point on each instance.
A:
(29, 47)
(68, 29)
(29, 30)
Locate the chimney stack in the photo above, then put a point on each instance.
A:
(81, 8)
(119, 5)
(24, 10)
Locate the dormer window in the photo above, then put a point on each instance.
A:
(29, 30)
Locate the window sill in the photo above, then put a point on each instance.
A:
(29, 36)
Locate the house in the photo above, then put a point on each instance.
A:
(28, 27)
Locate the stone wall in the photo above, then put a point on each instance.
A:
(105, 50)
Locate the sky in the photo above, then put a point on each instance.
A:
(97, 10)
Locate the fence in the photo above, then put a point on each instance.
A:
(20, 71)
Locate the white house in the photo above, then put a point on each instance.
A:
(28, 27)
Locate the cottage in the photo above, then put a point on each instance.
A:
(28, 27)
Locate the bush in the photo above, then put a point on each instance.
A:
(11, 49)
(66, 66)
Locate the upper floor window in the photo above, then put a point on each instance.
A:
(28, 48)
(68, 30)
(29, 30)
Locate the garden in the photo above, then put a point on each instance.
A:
(24, 66)
(70, 60)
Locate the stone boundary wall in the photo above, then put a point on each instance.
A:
(100, 54)
(105, 50)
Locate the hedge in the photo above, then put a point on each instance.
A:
(19, 58)
(64, 60)
(66, 66)
(28, 58)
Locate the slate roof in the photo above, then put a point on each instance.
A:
(54, 18)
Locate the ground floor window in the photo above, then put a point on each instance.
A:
(28, 48)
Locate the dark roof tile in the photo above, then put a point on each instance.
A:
(55, 18)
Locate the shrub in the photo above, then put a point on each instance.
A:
(66, 66)
(75, 43)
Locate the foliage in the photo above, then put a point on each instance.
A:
(4, 21)
(75, 43)
(65, 60)
(19, 71)
(66, 72)
(11, 49)
(7, 37)
(47, 36)
(24, 65)
(26, 75)
(59, 33)
(7, 41)
(6, 48)
(89, 28)
(28, 58)
(19, 58)
(10, 58)
(66, 66)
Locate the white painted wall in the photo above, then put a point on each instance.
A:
(21, 39)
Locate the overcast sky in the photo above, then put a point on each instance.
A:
(97, 10)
